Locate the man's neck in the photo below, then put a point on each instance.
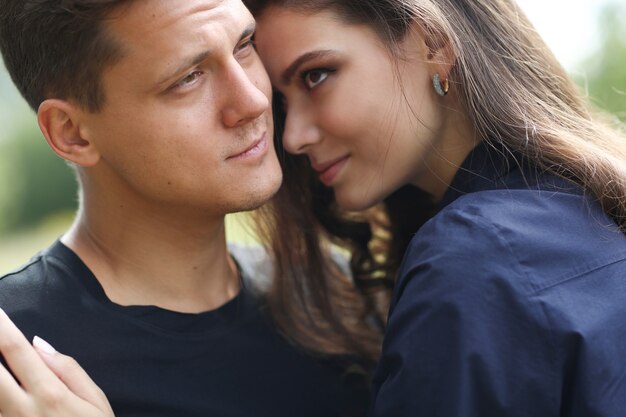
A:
(178, 263)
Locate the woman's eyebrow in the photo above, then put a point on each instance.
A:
(298, 62)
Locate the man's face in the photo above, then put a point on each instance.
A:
(187, 120)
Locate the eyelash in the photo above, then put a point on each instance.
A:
(194, 75)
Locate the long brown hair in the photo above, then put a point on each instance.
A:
(515, 94)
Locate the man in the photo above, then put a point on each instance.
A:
(163, 108)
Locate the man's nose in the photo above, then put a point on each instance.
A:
(244, 98)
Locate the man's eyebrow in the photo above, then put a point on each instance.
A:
(198, 58)
(302, 59)
(248, 31)
(187, 63)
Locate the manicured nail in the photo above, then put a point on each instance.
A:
(44, 346)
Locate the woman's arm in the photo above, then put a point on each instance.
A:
(50, 384)
(464, 339)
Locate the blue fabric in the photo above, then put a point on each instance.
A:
(511, 301)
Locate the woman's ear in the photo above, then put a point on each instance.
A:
(60, 123)
(438, 51)
(442, 59)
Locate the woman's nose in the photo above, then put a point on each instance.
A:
(300, 130)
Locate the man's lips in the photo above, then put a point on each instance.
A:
(257, 147)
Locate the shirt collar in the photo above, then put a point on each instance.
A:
(483, 169)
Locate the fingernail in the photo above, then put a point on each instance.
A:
(44, 346)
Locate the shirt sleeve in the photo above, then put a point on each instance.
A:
(465, 336)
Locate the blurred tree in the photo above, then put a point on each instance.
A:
(36, 182)
(605, 69)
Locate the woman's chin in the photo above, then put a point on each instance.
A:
(355, 200)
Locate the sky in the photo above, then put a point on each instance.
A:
(569, 27)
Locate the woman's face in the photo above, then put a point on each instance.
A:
(369, 123)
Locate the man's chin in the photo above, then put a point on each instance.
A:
(262, 194)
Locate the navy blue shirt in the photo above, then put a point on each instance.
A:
(511, 301)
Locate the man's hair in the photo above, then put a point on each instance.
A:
(58, 48)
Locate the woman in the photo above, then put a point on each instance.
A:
(445, 133)
(452, 119)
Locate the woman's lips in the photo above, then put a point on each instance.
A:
(328, 171)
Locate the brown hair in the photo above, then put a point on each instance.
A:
(515, 94)
(58, 48)
(317, 304)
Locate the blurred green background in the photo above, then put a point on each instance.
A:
(38, 190)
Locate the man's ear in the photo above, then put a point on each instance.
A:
(60, 123)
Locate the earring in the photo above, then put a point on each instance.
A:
(441, 88)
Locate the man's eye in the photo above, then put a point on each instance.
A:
(245, 48)
(247, 44)
(314, 78)
(189, 79)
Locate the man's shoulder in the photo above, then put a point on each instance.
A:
(30, 271)
(19, 287)
(30, 281)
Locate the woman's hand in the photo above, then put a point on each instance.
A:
(50, 384)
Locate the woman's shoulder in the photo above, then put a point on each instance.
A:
(525, 215)
(534, 237)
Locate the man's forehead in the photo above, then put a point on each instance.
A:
(160, 39)
(144, 22)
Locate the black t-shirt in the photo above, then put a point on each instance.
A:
(154, 362)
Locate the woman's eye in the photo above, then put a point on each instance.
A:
(314, 77)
